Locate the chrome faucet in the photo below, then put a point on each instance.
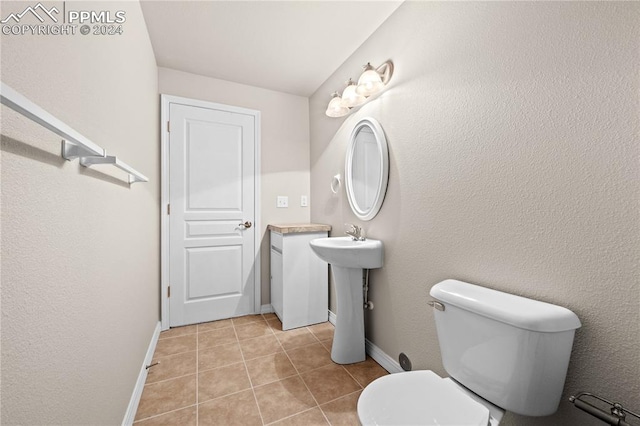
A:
(355, 232)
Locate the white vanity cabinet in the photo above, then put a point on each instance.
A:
(299, 278)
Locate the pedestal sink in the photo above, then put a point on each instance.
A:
(348, 258)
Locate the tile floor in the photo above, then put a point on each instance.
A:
(247, 371)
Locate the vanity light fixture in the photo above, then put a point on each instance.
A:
(350, 97)
(335, 107)
(371, 81)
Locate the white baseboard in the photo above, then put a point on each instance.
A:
(130, 415)
(378, 355)
(266, 309)
(332, 318)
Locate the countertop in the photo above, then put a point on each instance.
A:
(292, 228)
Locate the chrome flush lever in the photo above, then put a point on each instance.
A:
(439, 306)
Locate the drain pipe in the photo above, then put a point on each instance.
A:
(365, 286)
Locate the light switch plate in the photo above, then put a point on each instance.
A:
(283, 201)
(304, 202)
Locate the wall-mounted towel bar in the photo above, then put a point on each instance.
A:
(134, 176)
(74, 144)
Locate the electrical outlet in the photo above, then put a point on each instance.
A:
(304, 202)
(283, 201)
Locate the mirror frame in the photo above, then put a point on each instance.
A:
(383, 151)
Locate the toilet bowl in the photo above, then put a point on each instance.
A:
(423, 398)
(502, 352)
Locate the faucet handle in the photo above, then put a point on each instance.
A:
(355, 231)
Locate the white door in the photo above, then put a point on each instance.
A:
(211, 235)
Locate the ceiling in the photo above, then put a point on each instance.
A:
(288, 46)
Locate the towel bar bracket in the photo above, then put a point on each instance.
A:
(71, 151)
(134, 176)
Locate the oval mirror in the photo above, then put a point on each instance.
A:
(367, 169)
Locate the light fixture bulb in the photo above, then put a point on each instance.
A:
(335, 107)
(369, 82)
(350, 98)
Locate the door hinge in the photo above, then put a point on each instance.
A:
(168, 208)
(169, 126)
(169, 291)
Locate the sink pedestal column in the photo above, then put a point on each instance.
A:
(348, 339)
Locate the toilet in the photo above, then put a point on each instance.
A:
(502, 353)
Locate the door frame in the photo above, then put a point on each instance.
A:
(165, 105)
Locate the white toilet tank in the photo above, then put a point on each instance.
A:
(510, 350)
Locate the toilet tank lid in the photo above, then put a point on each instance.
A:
(508, 308)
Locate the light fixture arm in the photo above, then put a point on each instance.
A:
(386, 71)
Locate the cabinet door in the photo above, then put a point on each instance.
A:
(276, 282)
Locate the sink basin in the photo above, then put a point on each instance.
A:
(348, 258)
(345, 252)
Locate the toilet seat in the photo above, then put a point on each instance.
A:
(419, 398)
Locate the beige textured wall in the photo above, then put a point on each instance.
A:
(513, 133)
(80, 248)
(284, 151)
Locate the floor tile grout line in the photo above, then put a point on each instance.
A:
(206, 401)
(170, 338)
(261, 356)
(197, 327)
(340, 397)
(247, 323)
(325, 346)
(213, 330)
(323, 414)
(296, 347)
(166, 356)
(206, 370)
(256, 337)
(166, 412)
(304, 383)
(336, 399)
(299, 376)
(314, 398)
(147, 382)
(293, 415)
(293, 375)
(311, 369)
(160, 339)
(312, 333)
(201, 324)
(166, 380)
(274, 381)
(172, 378)
(177, 353)
(352, 376)
(246, 370)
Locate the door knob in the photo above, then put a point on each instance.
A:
(246, 225)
